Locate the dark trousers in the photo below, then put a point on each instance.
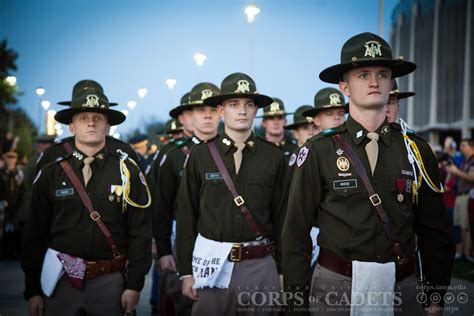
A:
(99, 296)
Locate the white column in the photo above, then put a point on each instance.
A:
(434, 68)
(466, 110)
(411, 57)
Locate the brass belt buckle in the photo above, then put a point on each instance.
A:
(95, 216)
(236, 253)
(239, 200)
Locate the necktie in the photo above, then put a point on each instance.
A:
(238, 156)
(86, 170)
(372, 150)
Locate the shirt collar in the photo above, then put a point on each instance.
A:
(359, 133)
(100, 157)
(227, 143)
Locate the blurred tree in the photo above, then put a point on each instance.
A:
(13, 118)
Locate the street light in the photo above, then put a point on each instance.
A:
(251, 10)
(131, 104)
(40, 91)
(11, 80)
(200, 59)
(45, 104)
(142, 92)
(171, 83)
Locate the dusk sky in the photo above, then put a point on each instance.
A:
(131, 44)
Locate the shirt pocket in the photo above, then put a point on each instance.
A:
(398, 190)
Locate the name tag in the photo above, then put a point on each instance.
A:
(213, 176)
(344, 184)
(64, 192)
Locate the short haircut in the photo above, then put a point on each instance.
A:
(469, 141)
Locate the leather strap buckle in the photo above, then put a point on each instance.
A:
(95, 216)
(239, 200)
(375, 199)
(235, 253)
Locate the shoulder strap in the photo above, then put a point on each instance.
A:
(238, 199)
(373, 196)
(68, 147)
(94, 215)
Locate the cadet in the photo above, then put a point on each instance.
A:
(303, 128)
(89, 218)
(230, 210)
(65, 146)
(205, 121)
(43, 142)
(393, 104)
(183, 114)
(11, 191)
(349, 189)
(139, 143)
(329, 108)
(274, 119)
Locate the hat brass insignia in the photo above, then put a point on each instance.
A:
(372, 49)
(274, 107)
(92, 101)
(334, 99)
(242, 86)
(206, 93)
(343, 163)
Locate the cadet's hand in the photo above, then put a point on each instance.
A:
(36, 306)
(167, 263)
(187, 288)
(130, 300)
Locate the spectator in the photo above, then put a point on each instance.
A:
(465, 185)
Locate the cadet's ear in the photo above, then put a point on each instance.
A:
(72, 128)
(220, 110)
(344, 88)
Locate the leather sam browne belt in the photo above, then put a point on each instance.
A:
(98, 268)
(240, 252)
(342, 266)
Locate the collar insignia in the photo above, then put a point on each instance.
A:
(77, 155)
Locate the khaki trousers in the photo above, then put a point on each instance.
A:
(254, 289)
(99, 296)
(331, 294)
